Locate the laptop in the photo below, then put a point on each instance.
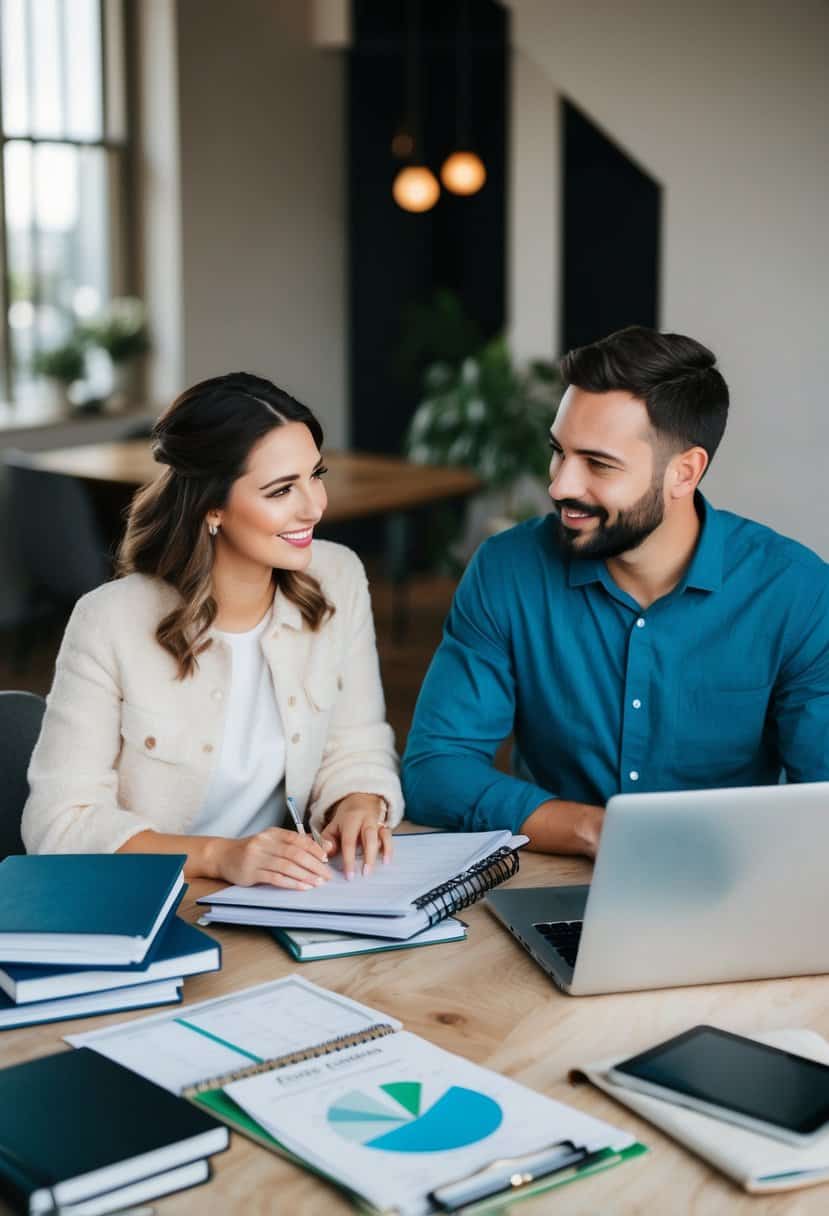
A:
(692, 887)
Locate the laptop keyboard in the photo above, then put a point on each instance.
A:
(563, 936)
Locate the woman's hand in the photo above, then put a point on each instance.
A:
(275, 856)
(358, 819)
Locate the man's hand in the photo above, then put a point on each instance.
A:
(564, 827)
(358, 819)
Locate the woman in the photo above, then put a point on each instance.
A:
(231, 666)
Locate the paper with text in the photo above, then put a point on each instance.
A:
(217, 1037)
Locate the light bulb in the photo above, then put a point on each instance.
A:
(402, 146)
(463, 173)
(415, 188)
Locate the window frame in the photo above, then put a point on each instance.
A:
(118, 151)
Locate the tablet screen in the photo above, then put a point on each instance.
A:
(728, 1070)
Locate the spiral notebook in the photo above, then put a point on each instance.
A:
(432, 876)
(320, 1078)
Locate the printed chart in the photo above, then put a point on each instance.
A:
(390, 1118)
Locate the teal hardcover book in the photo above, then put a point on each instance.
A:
(78, 909)
(88, 1004)
(179, 950)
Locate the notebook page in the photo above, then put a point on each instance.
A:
(211, 1038)
(421, 861)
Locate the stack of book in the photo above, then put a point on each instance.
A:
(81, 935)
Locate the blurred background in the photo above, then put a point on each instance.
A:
(195, 186)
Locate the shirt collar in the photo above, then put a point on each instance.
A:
(704, 572)
(284, 612)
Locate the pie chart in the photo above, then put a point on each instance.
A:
(391, 1118)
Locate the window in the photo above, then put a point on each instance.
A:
(63, 128)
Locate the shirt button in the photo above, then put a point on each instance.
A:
(634, 776)
(217, 694)
(640, 624)
(292, 701)
(295, 738)
(149, 743)
(208, 748)
(636, 703)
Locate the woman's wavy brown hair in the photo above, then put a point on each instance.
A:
(205, 438)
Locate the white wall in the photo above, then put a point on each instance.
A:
(158, 214)
(262, 139)
(534, 235)
(727, 105)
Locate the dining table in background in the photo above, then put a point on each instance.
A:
(360, 485)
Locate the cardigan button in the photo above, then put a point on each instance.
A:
(149, 743)
(292, 701)
(208, 748)
(340, 683)
(295, 738)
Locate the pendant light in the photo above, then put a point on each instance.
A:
(463, 172)
(415, 188)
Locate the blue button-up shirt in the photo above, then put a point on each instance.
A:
(722, 682)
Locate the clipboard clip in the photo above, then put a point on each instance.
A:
(510, 1175)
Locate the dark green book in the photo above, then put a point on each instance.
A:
(311, 945)
(76, 1126)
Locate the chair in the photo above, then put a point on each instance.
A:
(21, 714)
(59, 540)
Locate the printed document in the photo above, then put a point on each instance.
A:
(394, 1118)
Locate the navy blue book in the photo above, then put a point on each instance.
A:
(88, 1004)
(77, 1128)
(85, 910)
(179, 950)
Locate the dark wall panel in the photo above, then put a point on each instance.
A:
(395, 258)
(611, 235)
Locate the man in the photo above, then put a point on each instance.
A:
(635, 639)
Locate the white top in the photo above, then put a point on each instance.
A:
(246, 793)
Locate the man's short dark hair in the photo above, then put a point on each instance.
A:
(676, 377)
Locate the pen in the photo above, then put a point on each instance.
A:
(294, 813)
(511, 1174)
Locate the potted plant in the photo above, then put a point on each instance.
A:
(494, 418)
(121, 331)
(63, 365)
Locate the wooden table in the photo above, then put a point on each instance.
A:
(360, 485)
(485, 999)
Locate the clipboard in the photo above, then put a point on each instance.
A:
(509, 1179)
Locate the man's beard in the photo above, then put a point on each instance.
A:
(630, 528)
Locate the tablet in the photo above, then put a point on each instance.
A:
(765, 1089)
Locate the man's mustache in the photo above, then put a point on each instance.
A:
(573, 504)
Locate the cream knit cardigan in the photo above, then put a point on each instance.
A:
(127, 746)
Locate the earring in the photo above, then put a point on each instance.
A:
(212, 529)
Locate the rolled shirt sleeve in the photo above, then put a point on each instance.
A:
(465, 710)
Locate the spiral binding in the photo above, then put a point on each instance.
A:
(378, 1031)
(464, 889)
